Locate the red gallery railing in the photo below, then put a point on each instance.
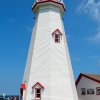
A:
(35, 1)
(48, 0)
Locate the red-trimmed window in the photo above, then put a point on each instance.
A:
(37, 93)
(57, 38)
(98, 91)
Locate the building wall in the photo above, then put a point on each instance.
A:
(87, 84)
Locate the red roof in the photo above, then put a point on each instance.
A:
(23, 86)
(39, 85)
(57, 30)
(93, 77)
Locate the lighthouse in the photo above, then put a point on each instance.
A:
(48, 73)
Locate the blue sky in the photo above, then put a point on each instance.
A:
(82, 26)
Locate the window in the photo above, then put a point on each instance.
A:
(90, 91)
(57, 35)
(98, 90)
(57, 38)
(83, 91)
(38, 93)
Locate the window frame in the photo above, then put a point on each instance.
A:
(96, 91)
(83, 91)
(58, 38)
(90, 93)
(37, 93)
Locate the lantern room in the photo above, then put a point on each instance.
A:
(40, 3)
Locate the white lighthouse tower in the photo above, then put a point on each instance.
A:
(48, 74)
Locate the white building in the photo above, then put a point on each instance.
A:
(48, 74)
(88, 87)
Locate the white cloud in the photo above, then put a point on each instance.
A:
(93, 57)
(76, 59)
(29, 29)
(96, 59)
(95, 38)
(98, 62)
(68, 37)
(11, 20)
(91, 7)
(23, 50)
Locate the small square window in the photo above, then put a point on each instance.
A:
(83, 91)
(90, 91)
(98, 90)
